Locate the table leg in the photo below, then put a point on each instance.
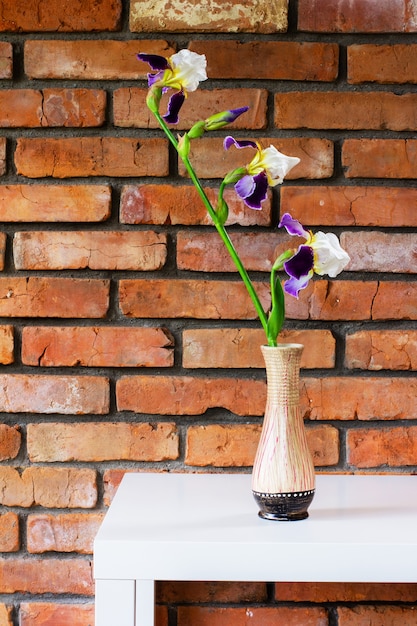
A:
(115, 603)
(145, 603)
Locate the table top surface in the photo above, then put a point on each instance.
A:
(176, 526)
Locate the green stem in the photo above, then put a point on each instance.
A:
(220, 229)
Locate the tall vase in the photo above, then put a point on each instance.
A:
(283, 478)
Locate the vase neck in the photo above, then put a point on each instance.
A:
(283, 372)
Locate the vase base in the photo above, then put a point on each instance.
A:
(284, 507)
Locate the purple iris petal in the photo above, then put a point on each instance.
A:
(293, 285)
(253, 190)
(293, 226)
(245, 143)
(154, 78)
(233, 114)
(301, 263)
(174, 105)
(156, 61)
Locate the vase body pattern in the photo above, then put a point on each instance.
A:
(283, 477)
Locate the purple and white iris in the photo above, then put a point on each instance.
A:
(321, 254)
(182, 71)
(267, 169)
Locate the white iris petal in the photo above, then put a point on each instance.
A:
(329, 256)
(277, 165)
(189, 68)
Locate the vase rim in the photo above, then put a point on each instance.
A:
(283, 346)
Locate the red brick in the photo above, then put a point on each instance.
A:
(53, 297)
(181, 204)
(231, 16)
(90, 59)
(184, 395)
(55, 203)
(380, 158)
(97, 250)
(382, 349)
(6, 60)
(52, 107)
(50, 487)
(91, 156)
(6, 344)
(380, 252)
(356, 16)
(345, 592)
(350, 111)
(376, 447)
(200, 299)
(69, 532)
(9, 534)
(269, 60)
(358, 398)
(235, 445)
(350, 206)
(377, 615)
(130, 108)
(67, 395)
(237, 347)
(210, 160)
(256, 616)
(3, 243)
(48, 346)
(10, 441)
(199, 592)
(102, 442)
(6, 615)
(31, 15)
(48, 614)
(395, 64)
(35, 575)
(2, 156)
(395, 300)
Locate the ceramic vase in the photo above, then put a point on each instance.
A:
(283, 478)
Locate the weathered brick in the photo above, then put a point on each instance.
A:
(9, 534)
(3, 243)
(53, 297)
(382, 349)
(377, 615)
(91, 156)
(55, 203)
(10, 441)
(184, 395)
(357, 16)
(234, 445)
(256, 616)
(201, 299)
(6, 344)
(380, 252)
(36, 613)
(345, 592)
(130, 108)
(105, 250)
(358, 398)
(210, 160)
(181, 204)
(2, 156)
(67, 395)
(93, 59)
(69, 532)
(52, 107)
(231, 16)
(198, 592)
(380, 158)
(396, 63)
(269, 60)
(382, 447)
(349, 110)
(6, 60)
(237, 347)
(6, 614)
(48, 346)
(50, 487)
(395, 300)
(350, 206)
(46, 576)
(27, 16)
(102, 442)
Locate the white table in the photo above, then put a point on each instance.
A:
(205, 527)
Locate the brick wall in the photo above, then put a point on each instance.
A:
(127, 342)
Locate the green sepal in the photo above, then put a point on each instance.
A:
(222, 211)
(183, 147)
(234, 175)
(277, 315)
(153, 99)
(197, 130)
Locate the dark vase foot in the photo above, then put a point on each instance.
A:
(284, 507)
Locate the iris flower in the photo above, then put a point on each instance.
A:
(267, 169)
(321, 254)
(182, 71)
